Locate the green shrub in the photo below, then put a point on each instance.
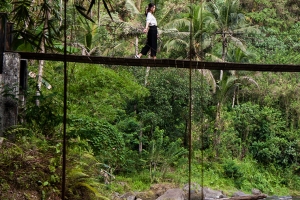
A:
(106, 141)
(164, 155)
(232, 170)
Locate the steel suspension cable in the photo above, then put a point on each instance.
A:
(64, 151)
(190, 102)
(201, 107)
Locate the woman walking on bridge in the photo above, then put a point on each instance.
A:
(151, 28)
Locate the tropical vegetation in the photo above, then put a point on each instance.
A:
(129, 127)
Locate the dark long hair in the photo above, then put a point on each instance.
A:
(150, 5)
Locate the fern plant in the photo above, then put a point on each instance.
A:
(84, 172)
(163, 155)
(15, 131)
(80, 184)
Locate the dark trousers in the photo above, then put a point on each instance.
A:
(151, 42)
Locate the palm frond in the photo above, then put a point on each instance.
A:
(130, 5)
(107, 9)
(175, 34)
(227, 86)
(214, 57)
(247, 29)
(21, 12)
(92, 3)
(207, 74)
(178, 23)
(249, 80)
(175, 44)
(81, 10)
(25, 37)
(238, 43)
(166, 17)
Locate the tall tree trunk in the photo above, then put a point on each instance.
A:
(39, 84)
(147, 74)
(244, 144)
(136, 45)
(141, 132)
(141, 143)
(41, 62)
(138, 4)
(224, 49)
(216, 141)
(233, 98)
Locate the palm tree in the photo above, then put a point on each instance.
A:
(198, 23)
(227, 87)
(229, 25)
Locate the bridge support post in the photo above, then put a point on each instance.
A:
(9, 90)
(3, 18)
(10, 65)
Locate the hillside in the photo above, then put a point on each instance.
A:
(128, 128)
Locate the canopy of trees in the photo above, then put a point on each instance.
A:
(125, 120)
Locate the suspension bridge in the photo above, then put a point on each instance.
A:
(173, 63)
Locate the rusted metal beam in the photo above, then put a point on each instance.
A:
(161, 62)
(9, 36)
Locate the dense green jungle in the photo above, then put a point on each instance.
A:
(129, 127)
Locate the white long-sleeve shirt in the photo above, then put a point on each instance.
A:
(151, 19)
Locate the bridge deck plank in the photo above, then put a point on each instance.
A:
(161, 62)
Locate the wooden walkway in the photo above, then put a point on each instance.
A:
(161, 62)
